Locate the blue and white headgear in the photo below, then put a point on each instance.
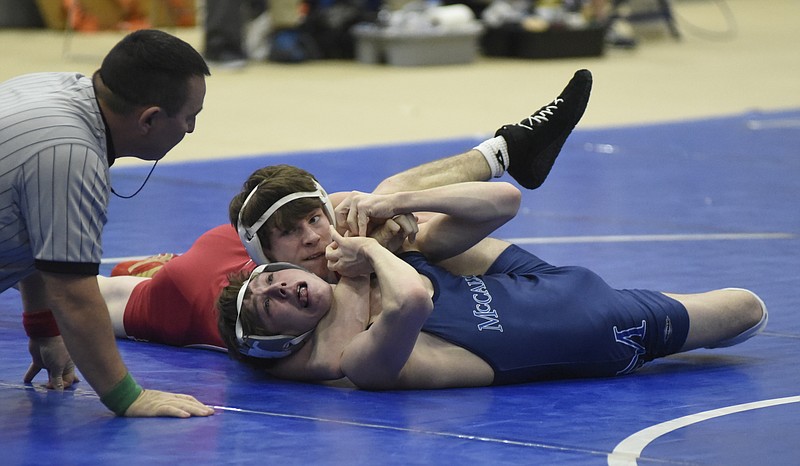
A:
(266, 347)
(249, 235)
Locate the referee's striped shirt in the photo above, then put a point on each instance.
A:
(54, 182)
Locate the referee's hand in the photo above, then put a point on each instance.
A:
(152, 403)
(49, 353)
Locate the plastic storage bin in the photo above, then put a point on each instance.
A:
(416, 48)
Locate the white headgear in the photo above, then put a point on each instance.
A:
(249, 236)
(266, 347)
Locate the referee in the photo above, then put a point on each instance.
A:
(59, 134)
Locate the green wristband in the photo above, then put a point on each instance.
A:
(122, 396)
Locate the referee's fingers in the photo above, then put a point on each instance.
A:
(31, 373)
(56, 382)
(70, 377)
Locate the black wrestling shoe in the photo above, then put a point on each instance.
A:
(534, 143)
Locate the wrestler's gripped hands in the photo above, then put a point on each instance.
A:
(394, 231)
(360, 211)
(374, 215)
(51, 354)
(346, 254)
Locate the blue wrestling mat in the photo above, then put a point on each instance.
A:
(680, 207)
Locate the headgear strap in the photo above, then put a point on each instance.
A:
(266, 347)
(249, 236)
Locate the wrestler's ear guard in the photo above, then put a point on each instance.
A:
(266, 347)
(249, 235)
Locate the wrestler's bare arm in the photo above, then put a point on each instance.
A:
(469, 212)
(375, 358)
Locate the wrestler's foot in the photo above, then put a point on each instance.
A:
(142, 268)
(534, 143)
(750, 332)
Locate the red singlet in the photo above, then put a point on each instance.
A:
(176, 307)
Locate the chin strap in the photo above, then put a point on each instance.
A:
(272, 346)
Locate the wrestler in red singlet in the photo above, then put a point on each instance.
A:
(177, 306)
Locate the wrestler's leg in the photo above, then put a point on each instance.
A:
(469, 166)
(116, 291)
(527, 149)
(477, 259)
(722, 317)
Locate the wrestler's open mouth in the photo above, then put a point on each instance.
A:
(302, 294)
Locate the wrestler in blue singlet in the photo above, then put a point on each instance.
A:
(533, 321)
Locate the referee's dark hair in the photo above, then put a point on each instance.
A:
(149, 67)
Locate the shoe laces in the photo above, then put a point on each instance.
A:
(542, 115)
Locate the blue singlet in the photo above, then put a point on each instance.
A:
(534, 321)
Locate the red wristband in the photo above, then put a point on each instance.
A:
(40, 324)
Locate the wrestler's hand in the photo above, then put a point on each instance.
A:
(393, 232)
(358, 209)
(154, 403)
(346, 255)
(51, 354)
